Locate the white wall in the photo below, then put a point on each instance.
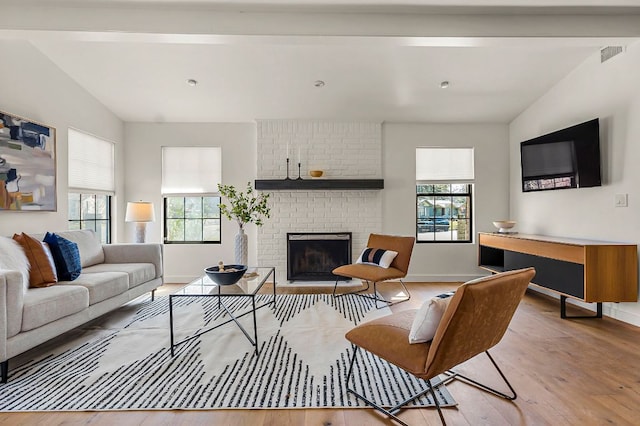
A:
(143, 165)
(444, 261)
(34, 88)
(610, 91)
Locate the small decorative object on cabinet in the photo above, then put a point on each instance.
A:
(504, 226)
(243, 207)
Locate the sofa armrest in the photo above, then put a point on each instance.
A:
(11, 304)
(135, 253)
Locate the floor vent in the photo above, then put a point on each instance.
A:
(609, 52)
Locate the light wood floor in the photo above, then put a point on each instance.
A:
(566, 372)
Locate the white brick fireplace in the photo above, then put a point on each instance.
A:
(343, 150)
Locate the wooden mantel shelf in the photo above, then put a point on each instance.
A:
(318, 184)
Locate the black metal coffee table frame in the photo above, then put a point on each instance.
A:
(232, 317)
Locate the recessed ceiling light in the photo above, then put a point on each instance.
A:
(319, 83)
(444, 84)
(191, 82)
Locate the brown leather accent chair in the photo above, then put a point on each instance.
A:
(475, 320)
(376, 274)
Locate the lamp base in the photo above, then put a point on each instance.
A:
(141, 232)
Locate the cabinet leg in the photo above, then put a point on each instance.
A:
(563, 310)
(4, 371)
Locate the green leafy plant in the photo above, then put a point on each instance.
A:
(244, 207)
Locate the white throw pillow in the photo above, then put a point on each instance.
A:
(377, 257)
(13, 258)
(428, 318)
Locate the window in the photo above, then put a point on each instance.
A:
(91, 211)
(91, 183)
(190, 177)
(192, 219)
(444, 190)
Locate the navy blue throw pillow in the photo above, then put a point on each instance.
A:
(66, 257)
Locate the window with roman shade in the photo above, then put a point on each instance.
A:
(191, 208)
(91, 163)
(91, 170)
(444, 188)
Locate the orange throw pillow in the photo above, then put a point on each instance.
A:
(43, 271)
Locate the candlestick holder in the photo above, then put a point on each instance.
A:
(287, 178)
(299, 177)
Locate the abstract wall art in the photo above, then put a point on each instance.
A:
(27, 165)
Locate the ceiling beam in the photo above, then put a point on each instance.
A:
(101, 23)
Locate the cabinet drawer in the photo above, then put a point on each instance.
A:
(565, 252)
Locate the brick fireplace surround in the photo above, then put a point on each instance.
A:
(343, 150)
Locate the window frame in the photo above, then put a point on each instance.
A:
(468, 217)
(108, 208)
(184, 218)
(445, 165)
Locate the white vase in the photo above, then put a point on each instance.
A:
(242, 248)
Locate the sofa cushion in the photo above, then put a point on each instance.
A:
(13, 258)
(89, 245)
(45, 305)
(102, 285)
(66, 256)
(139, 273)
(42, 272)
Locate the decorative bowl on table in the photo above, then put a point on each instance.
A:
(504, 225)
(228, 276)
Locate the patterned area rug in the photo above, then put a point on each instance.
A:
(123, 361)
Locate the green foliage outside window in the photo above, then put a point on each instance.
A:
(192, 220)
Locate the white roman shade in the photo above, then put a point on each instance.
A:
(91, 163)
(436, 164)
(191, 170)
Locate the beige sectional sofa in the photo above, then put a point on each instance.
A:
(112, 275)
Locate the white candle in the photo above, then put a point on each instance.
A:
(298, 154)
(287, 149)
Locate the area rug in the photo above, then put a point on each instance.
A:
(123, 361)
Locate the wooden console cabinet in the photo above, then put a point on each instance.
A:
(591, 271)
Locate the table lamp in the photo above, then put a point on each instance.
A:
(140, 212)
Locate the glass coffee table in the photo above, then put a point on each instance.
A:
(247, 287)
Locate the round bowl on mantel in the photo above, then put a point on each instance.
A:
(229, 276)
(316, 173)
(504, 225)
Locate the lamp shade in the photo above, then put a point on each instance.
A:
(140, 211)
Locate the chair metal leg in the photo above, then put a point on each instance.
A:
(391, 411)
(435, 401)
(375, 294)
(452, 375)
(350, 292)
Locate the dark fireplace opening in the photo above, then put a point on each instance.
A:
(312, 256)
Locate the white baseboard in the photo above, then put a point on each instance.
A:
(421, 278)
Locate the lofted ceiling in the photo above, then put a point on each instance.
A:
(379, 60)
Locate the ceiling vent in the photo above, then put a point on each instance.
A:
(609, 52)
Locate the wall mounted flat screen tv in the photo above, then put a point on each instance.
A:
(567, 158)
